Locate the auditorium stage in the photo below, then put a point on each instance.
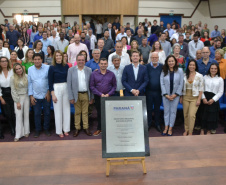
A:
(174, 160)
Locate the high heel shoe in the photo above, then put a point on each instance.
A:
(164, 134)
(170, 134)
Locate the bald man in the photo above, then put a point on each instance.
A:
(205, 62)
(153, 90)
(75, 48)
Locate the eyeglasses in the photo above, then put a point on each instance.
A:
(96, 53)
(4, 61)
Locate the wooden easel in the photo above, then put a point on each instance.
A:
(116, 161)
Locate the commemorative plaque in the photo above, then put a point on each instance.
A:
(124, 127)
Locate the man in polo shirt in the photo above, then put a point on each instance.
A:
(12, 36)
(125, 60)
(94, 62)
(122, 34)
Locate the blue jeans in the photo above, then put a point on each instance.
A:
(154, 98)
(38, 113)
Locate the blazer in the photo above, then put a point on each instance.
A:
(197, 85)
(113, 35)
(5, 52)
(177, 82)
(72, 82)
(25, 48)
(129, 82)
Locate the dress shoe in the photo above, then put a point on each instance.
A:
(164, 133)
(16, 139)
(47, 133)
(97, 133)
(170, 134)
(158, 128)
(88, 133)
(37, 133)
(76, 132)
(213, 131)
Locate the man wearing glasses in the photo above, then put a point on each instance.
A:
(194, 45)
(94, 62)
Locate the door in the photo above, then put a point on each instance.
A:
(169, 19)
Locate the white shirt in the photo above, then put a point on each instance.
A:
(93, 40)
(81, 80)
(193, 47)
(5, 52)
(214, 85)
(99, 28)
(135, 70)
(125, 60)
(5, 82)
(128, 40)
(120, 35)
(54, 40)
(176, 36)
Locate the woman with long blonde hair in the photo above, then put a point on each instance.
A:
(156, 47)
(58, 87)
(19, 91)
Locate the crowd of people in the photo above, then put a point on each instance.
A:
(63, 64)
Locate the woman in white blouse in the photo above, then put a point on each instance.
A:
(4, 52)
(192, 95)
(21, 49)
(5, 92)
(156, 47)
(19, 91)
(213, 90)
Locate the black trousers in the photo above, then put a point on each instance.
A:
(98, 107)
(8, 108)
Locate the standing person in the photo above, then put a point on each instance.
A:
(139, 37)
(49, 56)
(21, 50)
(45, 42)
(158, 48)
(219, 57)
(38, 48)
(153, 90)
(84, 40)
(38, 36)
(117, 69)
(75, 48)
(183, 47)
(111, 32)
(80, 94)
(19, 91)
(192, 94)
(5, 93)
(169, 30)
(13, 58)
(54, 38)
(28, 61)
(102, 84)
(57, 77)
(92, 39)
(166, 46)
(180, 58)
(4, 52)
(38, 90)
(12, 36)
(108, 43)
(215, 32)
(121, 34)
(145, 50)
(171, 80)
(154, 27)
(99, 29)
(135, 77)
(125, 60)
(213, 90)
(154, 37)
(94, 62)
(25, 37)
(194, 45)
(33, 33)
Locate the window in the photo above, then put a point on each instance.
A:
(27, 18)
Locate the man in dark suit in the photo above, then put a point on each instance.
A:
(112, 34)
(135, 77)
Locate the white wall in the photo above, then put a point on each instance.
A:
(218, 7)
(181, 7)
(43, 7)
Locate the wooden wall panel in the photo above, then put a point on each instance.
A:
(100, 7)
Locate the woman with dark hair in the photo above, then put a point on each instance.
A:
(206, 39)
(19, 91)
(192, 94)
(33, 33)
(21, 49)
(154, 37)
(125, 47)
(4, 51)
(25, 36)
(149, 29)
(38, 48)
(13, 58)
(66, 59)
(213, 90)
(7, 103)
(167, 36)
(134, 47)
(49, 57)
(28, 62)
(171, 81)
(6, 45)
(83, 52)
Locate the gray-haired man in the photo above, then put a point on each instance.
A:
(117, 69)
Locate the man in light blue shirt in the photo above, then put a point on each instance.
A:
(45, 42)
(117, 69)
(94, 62)
(215, 32)
(170, 31)
(38, 90)
(166, 46)
(120, 35)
